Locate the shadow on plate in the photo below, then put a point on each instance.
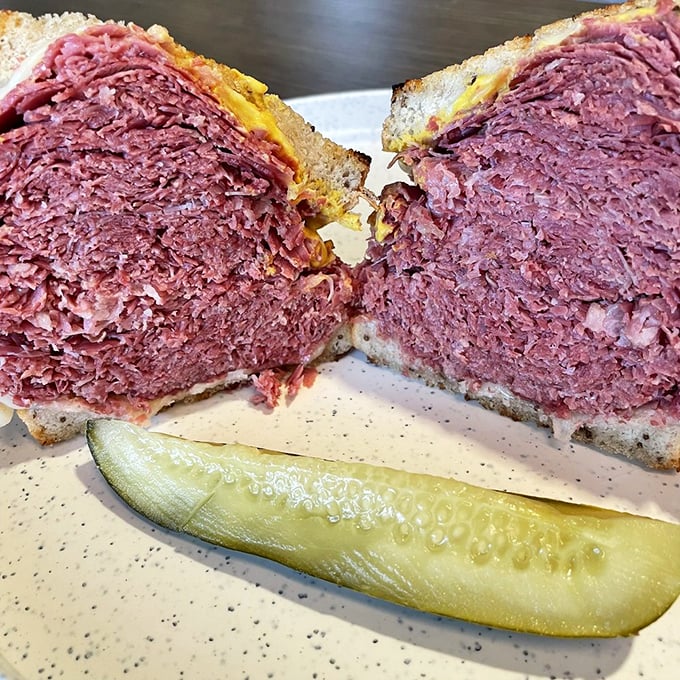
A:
(18, 447)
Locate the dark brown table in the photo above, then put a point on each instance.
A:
(301, 47)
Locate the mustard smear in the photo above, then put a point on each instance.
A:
(636, 13)
(235, 91)
(382, 229)
(482, 87)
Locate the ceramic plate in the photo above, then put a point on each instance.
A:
(88, 589)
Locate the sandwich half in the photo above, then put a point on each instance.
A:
(159, 226)
(533, 261)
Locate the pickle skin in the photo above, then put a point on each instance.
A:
(434, 544)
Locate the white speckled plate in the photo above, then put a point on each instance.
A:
(88, 589)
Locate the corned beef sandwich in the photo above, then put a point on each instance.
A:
(159, 219)
(534, 262)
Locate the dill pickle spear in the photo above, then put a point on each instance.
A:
(427, 542)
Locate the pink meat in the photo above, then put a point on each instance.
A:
(146, 240)
(540, 249)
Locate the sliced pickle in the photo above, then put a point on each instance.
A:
(430, 543)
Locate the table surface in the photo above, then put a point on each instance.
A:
(302, 47)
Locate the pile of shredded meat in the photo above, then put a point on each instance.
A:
(540, 247)
(147, 240)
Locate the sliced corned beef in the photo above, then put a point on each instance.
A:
(148, 242)
(540, 247)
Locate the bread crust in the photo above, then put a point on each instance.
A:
(22, 35)
(417, 104)
(335, 174)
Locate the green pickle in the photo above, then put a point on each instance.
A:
(434, 544)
